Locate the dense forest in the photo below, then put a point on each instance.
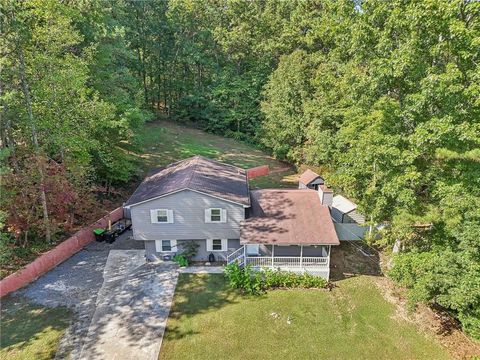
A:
(382, 95)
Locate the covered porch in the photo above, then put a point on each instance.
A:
(288, 230)
(312, 259)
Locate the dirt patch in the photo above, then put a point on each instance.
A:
(445, 328)
(352, 259)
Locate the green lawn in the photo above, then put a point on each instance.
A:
(30, 331)
(163, 142)
(353, 321)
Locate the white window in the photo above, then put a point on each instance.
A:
(215, 215)
(161, 216)
(166, 245)
(217, 244)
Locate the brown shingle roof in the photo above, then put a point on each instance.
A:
(196, 173)
(308, 176)
(288, 217)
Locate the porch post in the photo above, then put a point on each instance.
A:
(273, 249)
(301, 257)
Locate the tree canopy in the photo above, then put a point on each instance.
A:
(383, 95)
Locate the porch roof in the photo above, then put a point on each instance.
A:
(288, 217)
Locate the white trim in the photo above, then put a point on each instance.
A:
(154, 216)
(210, 245)
(159, 246)
(199, 192)
(222, 214)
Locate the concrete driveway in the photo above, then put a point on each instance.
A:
(132, 308)
(101, 286)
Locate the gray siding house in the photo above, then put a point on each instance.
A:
(208, 202)
(189, 218)
(196, 199)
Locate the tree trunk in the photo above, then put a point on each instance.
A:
(6, 128)
(28, 103)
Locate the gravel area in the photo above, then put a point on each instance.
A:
(75, 284)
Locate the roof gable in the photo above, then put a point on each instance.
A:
(199, 174)
(308, 177)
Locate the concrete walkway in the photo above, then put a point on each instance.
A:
(132, 308)
(202, 270)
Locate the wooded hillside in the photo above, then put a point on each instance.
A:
(383, 95)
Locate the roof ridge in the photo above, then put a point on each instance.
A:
(194, 170)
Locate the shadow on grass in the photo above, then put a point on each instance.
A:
(27, 325)
(197, 294)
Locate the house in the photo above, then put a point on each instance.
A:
(310, 180)
(209, 202)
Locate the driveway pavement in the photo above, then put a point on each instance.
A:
(132, 308)
(75, 284)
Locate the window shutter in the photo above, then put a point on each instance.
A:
(158, 245)
(224, 215)
(170, 216)
(153, 216)
(208, 218)
(173, 243)
(224, 244)
(209, 245)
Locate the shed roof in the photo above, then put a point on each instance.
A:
(288, 217)
(197, 173)
(343, 204)
(308, 176)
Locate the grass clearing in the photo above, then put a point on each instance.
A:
(30, 331)
(162, 142)
(353, 321)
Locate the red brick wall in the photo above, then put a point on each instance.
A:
(257, 171)
(57, 255)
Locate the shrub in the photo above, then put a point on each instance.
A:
(180, 260)
(246, 279)
(256, 282)
(277, 279)
(189, 250)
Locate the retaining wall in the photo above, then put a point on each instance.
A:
(258, 171)
(55, 256)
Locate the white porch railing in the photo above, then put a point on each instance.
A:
(288, 262)
(237, 256)
(319, 266)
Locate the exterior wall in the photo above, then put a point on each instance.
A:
(351, 217)
(189, 218)
(354, 217)
(337, 215)
(350, 232)
(202, 253)
(312, 185)
(317, 181)
(326, 197)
